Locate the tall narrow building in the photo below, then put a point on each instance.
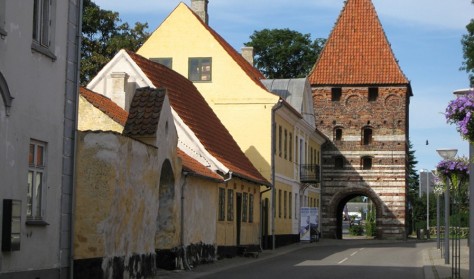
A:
(361, 101)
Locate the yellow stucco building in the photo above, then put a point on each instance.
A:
(260, 121)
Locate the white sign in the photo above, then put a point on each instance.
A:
(309, 222)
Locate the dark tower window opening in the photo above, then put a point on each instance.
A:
(373, 94)
(366, 163)
(336, 94)
(367, 135)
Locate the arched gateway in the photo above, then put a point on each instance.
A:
(361, 102)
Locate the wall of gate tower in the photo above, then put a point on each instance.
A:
(366, 153)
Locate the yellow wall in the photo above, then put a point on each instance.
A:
(91, 118)
(236, 99)
(227, 229)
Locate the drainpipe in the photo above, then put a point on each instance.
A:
(74, 153)
(276, 107)
(185, 258)
(229, 177)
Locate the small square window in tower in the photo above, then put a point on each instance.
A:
(366, 163)
(336, 94)
(373, 94)
(367, 136)
(337, 134)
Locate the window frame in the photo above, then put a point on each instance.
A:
(3, 32)
(279, 203)
(244, 207)
(165, 61)
(221, 214)
(230, 205)
(290, 151)
(198, 75)
(251, 210)
(36, 202)
(43, 27)
(285, 144)
(280, 143)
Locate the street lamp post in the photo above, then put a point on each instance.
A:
(471, 194)
(446, 154)
(427, 201)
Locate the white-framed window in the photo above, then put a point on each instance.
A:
(3, 32)
(36, 180)
(43, 20)
(200, 69)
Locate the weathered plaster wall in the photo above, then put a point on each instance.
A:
(116, 197)
(200, 214)
(92, 118)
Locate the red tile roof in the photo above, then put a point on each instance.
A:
(252, 72)
(189, 104)
(145, 111)
(193, 166)
(357, 51)
(106, 105)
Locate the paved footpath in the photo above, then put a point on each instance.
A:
(434, 267)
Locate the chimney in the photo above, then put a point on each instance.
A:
(118, 88)
(200, 8)
(247, 53)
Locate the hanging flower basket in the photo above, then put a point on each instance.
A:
(439, 184)
(457, 170)
(460, 112)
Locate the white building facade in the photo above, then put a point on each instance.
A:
(39, 56)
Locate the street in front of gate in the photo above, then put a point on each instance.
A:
(432, 261)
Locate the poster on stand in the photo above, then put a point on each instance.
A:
(309, 223)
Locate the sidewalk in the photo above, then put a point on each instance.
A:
(433, 263)
(435, 268)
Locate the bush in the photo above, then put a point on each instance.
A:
(370, 227)
(356, 230)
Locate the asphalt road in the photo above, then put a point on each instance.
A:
(378, 261)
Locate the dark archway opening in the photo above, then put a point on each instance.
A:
(356, 217)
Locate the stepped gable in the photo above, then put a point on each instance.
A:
(252, 72)
(105, 105)
(145, 111)
(191, 107)
(197, 169)
(357, 51)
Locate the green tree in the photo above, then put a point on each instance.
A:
(103, 35)
(283, 53)
(416, 207)
(467, 42)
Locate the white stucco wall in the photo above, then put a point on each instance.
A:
(38, 85)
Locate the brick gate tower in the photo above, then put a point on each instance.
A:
(361, 100)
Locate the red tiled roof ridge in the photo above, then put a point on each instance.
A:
(252, 72)
(105, 104)
(196, 113)
(351, 56)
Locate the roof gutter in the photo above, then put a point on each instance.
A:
(276, 107)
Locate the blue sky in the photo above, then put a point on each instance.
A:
(425, 36)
